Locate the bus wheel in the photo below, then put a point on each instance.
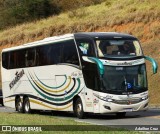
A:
(19, 106)
(78, 109)
(121, 114)
(26, 106)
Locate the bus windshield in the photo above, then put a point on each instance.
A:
(125, 79)
(118, 48)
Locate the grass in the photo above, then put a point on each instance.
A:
(137, 17)
(36, 119)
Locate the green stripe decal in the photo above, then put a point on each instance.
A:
(47, 89)
(57, 99)
(50, 86)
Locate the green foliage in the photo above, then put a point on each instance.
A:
(13, 12)
(20, 11)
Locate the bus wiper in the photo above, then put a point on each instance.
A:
(126, 85)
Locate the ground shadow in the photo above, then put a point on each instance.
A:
(141, 114)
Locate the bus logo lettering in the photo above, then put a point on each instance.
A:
(16, 79)
(125, 64)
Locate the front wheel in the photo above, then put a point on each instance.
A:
(78, 109)
(26, 106)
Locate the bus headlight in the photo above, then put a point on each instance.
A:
(105, 99)
(145, 97)
(102, 98)
(109, 100)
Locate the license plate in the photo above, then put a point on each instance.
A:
(127, 109)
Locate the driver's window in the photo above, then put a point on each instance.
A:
(85, 47)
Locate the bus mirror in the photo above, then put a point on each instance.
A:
(154, 63)
(99, 65)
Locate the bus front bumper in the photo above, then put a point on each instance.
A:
(110, 107)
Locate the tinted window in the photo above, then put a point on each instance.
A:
(70, 53)
(5, 59)
(48, 55)
(20, 59)
(125, 79)
(30, 57)
(118, 48)
(85, 46)
(62, 52)
(14, 59)
(90, 71)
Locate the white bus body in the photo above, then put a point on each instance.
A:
(58, 74)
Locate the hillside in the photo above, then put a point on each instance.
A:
(14, 12)
(140, 18)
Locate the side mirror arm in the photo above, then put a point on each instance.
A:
(154, 64)
(99, 65)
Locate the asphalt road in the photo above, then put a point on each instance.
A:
(150, 117)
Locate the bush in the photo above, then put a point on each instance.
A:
(34, 9)
(14, 12)
(18, 11)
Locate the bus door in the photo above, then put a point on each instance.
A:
(67, 66)
(90, 73)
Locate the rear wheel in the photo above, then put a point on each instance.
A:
(78, 109)
(19, 105)
(26, 106)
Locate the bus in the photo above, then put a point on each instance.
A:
(88, 72)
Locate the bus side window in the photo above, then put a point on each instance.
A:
(48, 55)
(12, 60)
(69, 53)
(56, 53)
(30, 56)
(5, 60)
(53, 54)
(20, 59)
(41, 58)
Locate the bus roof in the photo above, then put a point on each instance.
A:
(100, 35)
(41, 42)
(106, 35)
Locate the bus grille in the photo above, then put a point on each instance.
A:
(127, 102)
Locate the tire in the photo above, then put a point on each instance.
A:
(26, 106)
(78, 109)
(121, 114)
(19, 105)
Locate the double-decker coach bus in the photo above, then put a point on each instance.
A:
(81, 72)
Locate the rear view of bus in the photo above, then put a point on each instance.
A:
(114, 72)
